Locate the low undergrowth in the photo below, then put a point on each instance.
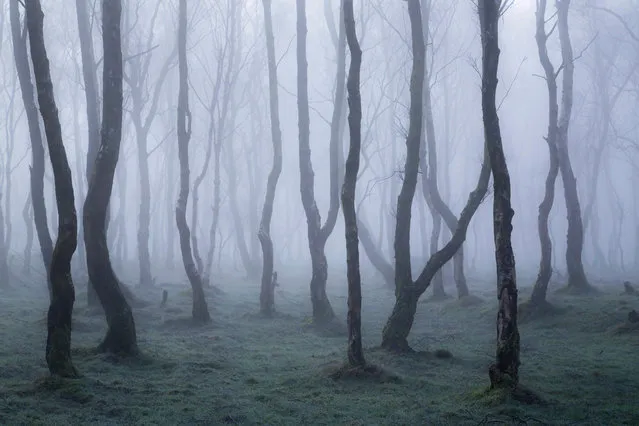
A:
(244, 369)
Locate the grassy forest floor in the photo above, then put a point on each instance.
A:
(246, 370)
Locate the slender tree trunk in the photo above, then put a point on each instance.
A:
(317, 235)
(540, 288)
(27, 215)
(267, 291)
(200, 308)
(505, 371)
(36, 171)
(577, 280)
(89, 70)
(121, 334)
(354, 316)
(58, 347)
(374, 253)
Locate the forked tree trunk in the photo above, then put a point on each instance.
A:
(58, 347)
(437, 205)
(121, 334)
(267, 291)
(505, 371)
(577, 280)
(354, 318)
(540, 288)
(36, 171)
(407, 292)
(200, 308)
(317, 234)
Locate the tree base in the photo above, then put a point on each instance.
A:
(578, 290)
(367, 372)
(397, 346)
(470, 300)
(530, 311)
(631, 325)
(439, 297)
(327, 328)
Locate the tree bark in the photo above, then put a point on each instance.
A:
(317, 235)
(407, 291)
(267, 291)
(200, 308)
(540, 288)
(89, 70)
(36, 171)
(121, 334)
(577, 280)
(505, 371)
(354, 316)
(27, 215)
(58, 347)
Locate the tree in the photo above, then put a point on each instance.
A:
(91, 90)
(200, 309)
(538, 297)
(36, 171)
(137, 77)
(577, 281)
(317, 234)
(121, 335)
(355, 353)
(58, 347)
(267, 294)
(505, 371)
(407, 292)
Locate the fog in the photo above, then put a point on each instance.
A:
(229, 139)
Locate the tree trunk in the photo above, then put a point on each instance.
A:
(36, 171)
(121, 333)
(27, 215)
(577, 281)
(58, 347)
(354, 316)
(200, 308)
(267, 291)
(375, 254)
(505, 371)
(317, 235)
(540, 288)
(89, 69)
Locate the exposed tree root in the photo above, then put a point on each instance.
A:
(507, 394)
(367, 372)
(631, 325)
(531, 311)
(470, 300)
(629, 289)
(583, 290)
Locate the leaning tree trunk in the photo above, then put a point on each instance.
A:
(36, 170)
(538, 296)
(374, 253)
(317, 234)
(429, 180)
(89, 70)
(267, 292)
(355, 352)
(27, 215)
(200, 309)
(121, 334)
(577, 280)
(505, 371)
(407, 293)
(58, 347)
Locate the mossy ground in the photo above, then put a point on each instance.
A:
(244, 369)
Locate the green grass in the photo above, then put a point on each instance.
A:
(246, 370)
